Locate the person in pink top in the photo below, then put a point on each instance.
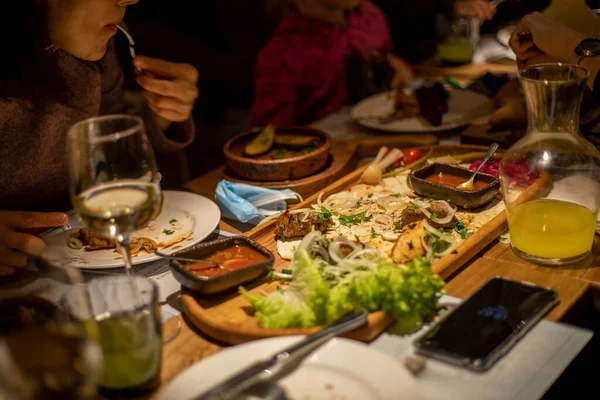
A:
(301, 74)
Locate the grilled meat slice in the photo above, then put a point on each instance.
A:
(92, 241)
(408, 246)
(291, 225)
(436, 209)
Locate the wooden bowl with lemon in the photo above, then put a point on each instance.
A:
(278, 154)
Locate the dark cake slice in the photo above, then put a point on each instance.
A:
(433, 102)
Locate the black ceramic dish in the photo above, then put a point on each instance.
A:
(219, 283)
(466, 199)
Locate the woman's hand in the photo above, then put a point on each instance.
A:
(402, 73)
(170, 88)
(480, 9)
(552, 41)
(15, 244)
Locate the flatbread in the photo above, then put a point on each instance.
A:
(384, 203)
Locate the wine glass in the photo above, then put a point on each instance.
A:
(114, 180)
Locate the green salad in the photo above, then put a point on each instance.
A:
(331, 278)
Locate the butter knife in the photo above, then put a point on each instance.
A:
(284, 362)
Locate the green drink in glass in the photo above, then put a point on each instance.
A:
(127, 316)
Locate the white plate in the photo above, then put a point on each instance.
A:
(464, 106)
(504, 34)
(341, 369)
(192, 212)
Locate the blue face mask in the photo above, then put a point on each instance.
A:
(250, 204)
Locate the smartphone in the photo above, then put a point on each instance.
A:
(485, 326)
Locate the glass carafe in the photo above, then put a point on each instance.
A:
(551, 177)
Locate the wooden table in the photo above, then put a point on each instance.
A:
(578, 287)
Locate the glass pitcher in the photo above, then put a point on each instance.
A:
(551, 177)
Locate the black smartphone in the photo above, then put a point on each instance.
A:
(485, 326)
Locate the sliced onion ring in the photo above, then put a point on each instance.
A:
(449, 213)
(305, 211)
(389, 236)
(74, 243)
(436, 232)
(362, 231)
(320, 199)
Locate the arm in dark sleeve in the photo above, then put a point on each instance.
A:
(178, 136)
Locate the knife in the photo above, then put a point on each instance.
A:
(283, 362)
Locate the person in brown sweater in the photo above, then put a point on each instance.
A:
(59, 67)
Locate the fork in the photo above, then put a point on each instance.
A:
(496, 3)
(123, 28)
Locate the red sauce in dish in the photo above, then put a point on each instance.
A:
(452, 180)
(231, 258)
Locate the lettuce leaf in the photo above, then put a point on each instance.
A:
(308, 281)
(281, 310)
(409, 293)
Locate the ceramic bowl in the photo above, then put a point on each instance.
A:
(290, 168)
(465, 199)
(215, 284)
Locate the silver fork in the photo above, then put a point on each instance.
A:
(123, 28)
(496, 3)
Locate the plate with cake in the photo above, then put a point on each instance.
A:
(426, 108)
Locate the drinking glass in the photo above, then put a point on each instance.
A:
(114, 180)
(127, 313)
(44, 354)
(457, 39)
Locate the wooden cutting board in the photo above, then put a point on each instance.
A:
(228, 317)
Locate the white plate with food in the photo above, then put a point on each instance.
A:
(186, 219)
(434, 112)
(341, 369)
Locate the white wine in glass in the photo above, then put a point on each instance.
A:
(114, 180)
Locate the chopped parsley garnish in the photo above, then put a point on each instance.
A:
(410, 245)
(281, 234)
(433, 217)
(172, 221)
(398, 225)
(354, 219)
(461, 228)
(271, 275)
(358, 204)
(394, 195)
(356, 237)
(438, 245)
(323, 215)
(412, 206)
(168, 232)
(370, 195)
(286, 271)
(374, 234)
(277, 154)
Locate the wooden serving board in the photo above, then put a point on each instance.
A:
(345, 155)
(228, 317)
